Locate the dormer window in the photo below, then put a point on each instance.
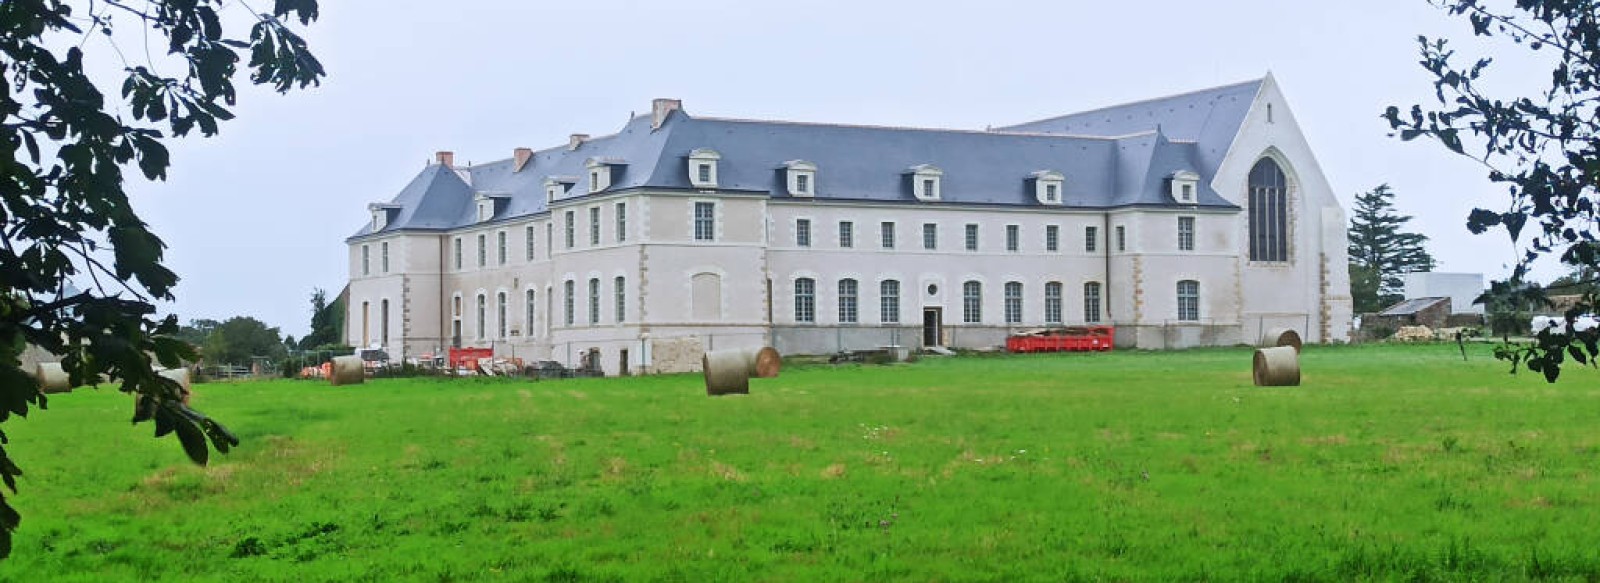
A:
(600, 174)
(489, 205)
(1185, 187)
(382, 215)
(801, 177)
(1048, 187)
(925, 182)
(556, 187)
(703, 168)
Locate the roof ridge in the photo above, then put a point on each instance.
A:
(1139, 102)
(987, 132)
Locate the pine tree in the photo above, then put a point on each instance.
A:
(1381, 251)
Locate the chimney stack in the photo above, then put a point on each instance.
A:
(576, 140)
(446, 159)
(660, 108)
(521, 157)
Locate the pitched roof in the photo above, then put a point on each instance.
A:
(1112, 157)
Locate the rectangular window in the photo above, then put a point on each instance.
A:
(1091, 239)
(622, 222)
(1091, 302)
(549, 248)
(1013, 302)
(1189, 300)
(483, 250)
(569, 287)
(528, 310)
(1052, 238)
(802, 183)
(1013, 237)
(1186, 233)
(972, 236)
(366, 260)
(886, 233)
(705, 173)
(847, 234)
(458, 252)
(847, 301)
(572, 228)
(972, 302)
(929, 188)
(500, 247)
(705, 225)
(621, 288)
(1052, 302)
(1050, 192)
(805, 300)
(1122, 239)
(383, 253)
(594, 225)
(802, 232)
(483, 330)
(594, 300)
(889, 301)
(527, 233)
(500, 315)
(930, 236)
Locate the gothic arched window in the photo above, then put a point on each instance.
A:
(1269, 212)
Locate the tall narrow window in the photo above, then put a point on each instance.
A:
(1269, 212)
(930, 236)
(1122, 238)
(500, 314)
(383, 254)
(1186, 233)
(572, 228)
(1091, 302)
(458, 252)
(1013, 302)
(886, 234)
(530, 307)
(1013, 237)
(1189, 300)
(366, 260)
(847, 301)
(705, 221)
(567, 302)
(594, 300)
(972, 236)
(1052, 302)
(805, 300)
(366, 324)
(549, 245)
(527, 233)
(705, 172)
(500, 248)
(1091, 239)
(802, 232)
(622, 222)
(621, 290)
(930, 188)
(889, 301)
(847, 234)
(483, 328)
(483, 250)
(1052, 238)
(972, 302)
(383, 322)
(802, 183)
(594, 225)
(1051, 192)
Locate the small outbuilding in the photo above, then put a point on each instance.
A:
(1430, 312)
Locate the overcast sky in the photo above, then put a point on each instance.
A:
(256, 217)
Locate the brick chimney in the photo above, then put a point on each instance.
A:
(660, 108)
(446, 159)
(521, 157)
(576, 140)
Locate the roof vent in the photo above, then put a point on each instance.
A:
(521, 156)
(576, 140)
(660, 108)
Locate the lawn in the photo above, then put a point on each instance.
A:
(1389, 463)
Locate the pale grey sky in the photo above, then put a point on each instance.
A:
(256, 217)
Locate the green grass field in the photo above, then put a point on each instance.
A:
(1389, 463)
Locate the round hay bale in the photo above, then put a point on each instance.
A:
(1278, 366)
(763, 362)
(727, 372)
(1281, 337)
(347, 370)
(180, 376)
(52, 378)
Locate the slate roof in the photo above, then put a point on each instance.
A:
(1112, 157)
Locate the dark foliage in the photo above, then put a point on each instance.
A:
(1381, 251)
